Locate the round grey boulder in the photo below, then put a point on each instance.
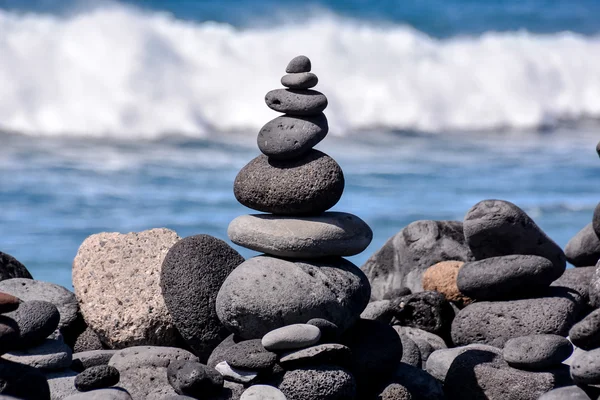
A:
(295, 336)
(537, 352)
(565, 393)
(318, 383)
(296, 101)
(36, 321)
(505, 277)
(298, 64)
(250, 354)
(266, 293)
(328, 234)
(51, 354)
(301, 80)
(194, 379)
(583, 249)
(288, 137)
(191, 275)
(10, 268)
(585, 368)
(308, 185)
(499, 228)
(440, 361)
(98, 377)
(585, 334)
(92, 358)
(411, 354)
(262, 392)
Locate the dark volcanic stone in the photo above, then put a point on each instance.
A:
(420, 384)
(219, 352)
(411, 354)
(302, 80)
(380, 310)
(505, 277)
(429, 311)
(537, 352)
(376, 350)
(192, 273)
(440, 361)
(499, 228)
(494, 323)
(583, 249)
(318, 383)
(330, 332)
(578, 280)
(98, 377)
(9, 334)
(194, 379)
(250, 354)
(266, 293)
(8, 302)
(596, 218)
(329, 354)
(404, 258)
(296, 101)
(585, 368)
(93, 358)
(36, 321)
(427, 342)
(298, 64)
(586, 333)
(308, 185)
(10, 268)
(88, 340)
(566, 393)
(22, 382)
(288, 137)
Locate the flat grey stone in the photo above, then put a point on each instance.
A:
(494, 323)
(298, 64)
(295, 336)
(300, 80)
(318, 383)
(311, 184)
(86, 359)
(565, 393)
(250, 354)
(191, 274)
(404, 258)
(327, 234)
(98, 377)
(287, 137)
(61, 383)
(585, 334)
(262, 392)
(499, 228)
(235, 374)
(52, 354)
(321, 354)
(578, 280)
(10, 267)
(440, 361)
(29, 289)
(102, 394)
(296, 101)
(585, 368)
(505, 277)
(537, 352)
(380, 310)
(36, 321)
(266, 293)
(583, 250)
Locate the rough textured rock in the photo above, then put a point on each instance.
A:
(585, 368)
(114, 271)
(394, 391)
(586, 333)
(318, 383)
(218, 354)
(51, 354)
(302, 80)
(404, 257)
(327, 234)
(494, 323)
(266, 293)
(594, 288)
(143, 370)
(8, 302)
(262, 392)
(583, 249)
(376, 350)
(29, 289)
(92, 358)
(420, 384)
(296, 101)
(565, 393)
(191, 276)
(10, 267)
(440, 361)
(411, 354)
(288, 137)
(194, 379)
(596, 218)
(311, 184)
(98, 377)
(298, 64)
(61, 383)
(101, 394)
(250, 354)
(505, 277)
(426, 342)
(499, 228)
(441, 277)
(88, 340)
(380, 310)
(578, 280)
(295, 336)
(36, 321)
(22, 382)
(537, 352)
(429, 311)
(321, 354)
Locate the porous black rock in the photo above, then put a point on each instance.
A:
(93, 358)
(494, 323)
(585, 368)
(376, 350)
(583, 249)
(194, 379)
(88, 340)
(505, 277)
(499, 228)
(219, 352)
(537, 352)
(191, 275)
(250, 354)
(298, 64)
(296, 101)
(36, 321)
(98, 377)
(287, 137)
(404, 258)
(428, 310)
(585, 334)
(324, 382)
(311, 184)
(10, 268)
(578, 281)
(301, 80)
(22, 382)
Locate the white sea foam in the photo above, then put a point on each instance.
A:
(117, 71)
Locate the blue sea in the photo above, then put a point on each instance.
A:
(128, 115)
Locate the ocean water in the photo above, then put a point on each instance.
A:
(123, 116)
